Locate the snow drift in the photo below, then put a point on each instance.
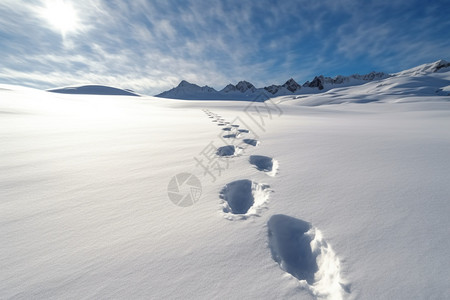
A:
(85, 207)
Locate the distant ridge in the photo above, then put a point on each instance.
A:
(93, 90)
(244, 90)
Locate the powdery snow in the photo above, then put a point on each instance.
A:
(357, 209)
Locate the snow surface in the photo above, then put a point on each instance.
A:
(357, 209)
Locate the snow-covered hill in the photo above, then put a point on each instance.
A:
(437, 66)
(423, 83)
(247, 91)
(93, 90)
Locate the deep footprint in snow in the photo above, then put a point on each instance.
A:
(301, 251)
(265, 163)
(244, 197)
(291, 246)
(229, 150)
(232, 135)
(251, 142)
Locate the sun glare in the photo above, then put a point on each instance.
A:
(61, 16)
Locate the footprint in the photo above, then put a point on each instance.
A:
(301, 251)
(229, 150)
(244, 130)
(265, 164)
(232, 135)
(243, 198)
(251, 142)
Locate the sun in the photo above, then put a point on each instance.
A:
(61, 16)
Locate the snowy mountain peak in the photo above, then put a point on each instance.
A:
(317, 82)
(244, 90)
(228, 88)
(370, 76)
(187, 90)
(292, 85)
(440, 64)
(437, 66)
(273, 89)
(244, 86)
(184, 83)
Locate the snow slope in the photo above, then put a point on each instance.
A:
(336, 201)
(246, 91)
(423, 83)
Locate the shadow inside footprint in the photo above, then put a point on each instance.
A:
(262, 163)
(251, 142)
(228, 150)
(290, 246)
(238, 194)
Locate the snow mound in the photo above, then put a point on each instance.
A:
(243, 197)
(93, 90)
(301, 251)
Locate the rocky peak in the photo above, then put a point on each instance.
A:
(229, 88)
(317, 82)
(440, 64)
(184, 83)
(292, 85)
(273, 89)
(244, 86)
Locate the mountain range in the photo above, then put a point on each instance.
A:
(245, 90)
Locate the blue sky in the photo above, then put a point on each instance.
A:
(149, 46)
